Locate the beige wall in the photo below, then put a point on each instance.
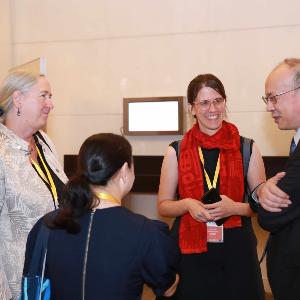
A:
(101, 51)
(5, 38)
(37, 65)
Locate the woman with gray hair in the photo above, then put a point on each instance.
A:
(31, 176)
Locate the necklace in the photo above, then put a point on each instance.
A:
(108, 197)
(31, 145)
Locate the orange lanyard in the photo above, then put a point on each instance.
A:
(217, 171)
(46, 177)
(109, 197)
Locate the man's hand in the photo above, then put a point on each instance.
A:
(271, 197)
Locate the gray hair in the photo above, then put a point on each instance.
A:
(294, 65)
(15, 81)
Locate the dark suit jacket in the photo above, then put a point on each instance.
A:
(283, 260)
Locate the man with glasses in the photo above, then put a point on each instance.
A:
(279, 197)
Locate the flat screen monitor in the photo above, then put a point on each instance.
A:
(153, 116)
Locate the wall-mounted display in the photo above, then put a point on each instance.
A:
(153, 116)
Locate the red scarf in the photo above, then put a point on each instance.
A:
(193, 234)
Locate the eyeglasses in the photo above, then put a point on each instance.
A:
(273, 98)
(205, 104)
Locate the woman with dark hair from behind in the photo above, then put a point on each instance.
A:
(105, 251)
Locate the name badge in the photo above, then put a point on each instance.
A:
(214, 233)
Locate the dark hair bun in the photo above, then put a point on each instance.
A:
(102, 155)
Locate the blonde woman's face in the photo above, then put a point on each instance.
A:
(36, 104)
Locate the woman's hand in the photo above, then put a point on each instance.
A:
(197, 210)
(172, 289)
(222, 209)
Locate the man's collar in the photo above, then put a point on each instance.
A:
(297, 136)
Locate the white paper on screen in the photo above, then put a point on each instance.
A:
(153, 116)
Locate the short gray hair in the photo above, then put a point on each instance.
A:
(15, 81)
(294, 64)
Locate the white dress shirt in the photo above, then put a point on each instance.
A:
(297, 136)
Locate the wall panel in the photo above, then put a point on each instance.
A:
(5, 38)
(101, 51)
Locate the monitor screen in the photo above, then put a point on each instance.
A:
(152, 116)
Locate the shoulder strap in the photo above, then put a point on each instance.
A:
(39, 252)
(34, 284)
(246, 150)
(175, 227)
(177, 148)
(40, 136)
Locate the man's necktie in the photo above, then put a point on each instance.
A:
(293, 146)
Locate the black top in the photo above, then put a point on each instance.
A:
(228, 270)
(126, 250)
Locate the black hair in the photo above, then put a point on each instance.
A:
(204, 80)
(100, 157)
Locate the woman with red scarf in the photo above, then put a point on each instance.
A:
(218, 262)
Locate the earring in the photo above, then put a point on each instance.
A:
(18, 112)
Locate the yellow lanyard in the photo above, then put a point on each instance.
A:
(46, 177)
(109, 197)
(217, 171)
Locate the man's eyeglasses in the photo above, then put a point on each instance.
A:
(273, 98)
(205, 104)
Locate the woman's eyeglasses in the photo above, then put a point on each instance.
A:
(205, 104)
